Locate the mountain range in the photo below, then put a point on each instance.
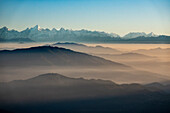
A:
(53, 92)
(139, 34)
(37, 34)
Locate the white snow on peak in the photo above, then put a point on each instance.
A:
(138, 34)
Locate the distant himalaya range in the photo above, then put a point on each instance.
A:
(37, 34)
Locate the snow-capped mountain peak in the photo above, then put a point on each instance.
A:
(54, 29)
(139, 34)
(114, 35)
(4, 28)
(151, 34)
(134, 35)
(62, 29)
(36, 28)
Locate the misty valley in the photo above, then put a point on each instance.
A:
(78, 77)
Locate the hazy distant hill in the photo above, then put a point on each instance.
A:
(58, 93)
(87, 49)
(126, 56)
(46, 35)
(133, 55)
(155, 51)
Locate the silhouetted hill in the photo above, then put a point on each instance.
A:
(51, 86)
(57, 87)
(57, 93)
(69, 43)
(47, 55)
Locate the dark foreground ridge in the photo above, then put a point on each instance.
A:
(57, 93)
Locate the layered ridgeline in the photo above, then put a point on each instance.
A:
(57, 93)
(37, 34)
(45, 59)
(86, 49)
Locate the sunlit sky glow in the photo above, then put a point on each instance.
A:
(117, 16)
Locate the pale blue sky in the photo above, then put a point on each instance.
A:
(117, 16)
